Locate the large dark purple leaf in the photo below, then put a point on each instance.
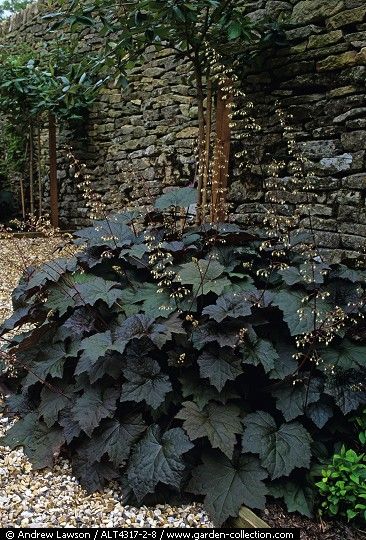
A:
(145, 382)
(157, 457)
(94, 405)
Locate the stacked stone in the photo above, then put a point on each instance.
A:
(318, 78)
(142, 140)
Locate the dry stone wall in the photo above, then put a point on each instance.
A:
(141, 141)
(319, 79)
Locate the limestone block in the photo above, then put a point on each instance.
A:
(257, 15)
(354, 140)
(361, 57)
(322, 52)
(319, 149)
(352, 242)
(350, 16)
(153, 72)
(353, 229)
(352, 197)
(359, 123)
(328, 239)
(342, 91)
(324, 40)
(347, 59)
(299, 48)
(184, 109)
(131, 144)
(139, 131)
(193, 112)
(320, 210)
(325, 132)
(302, 33)
(337, 164)
(353, 113)
(355, 181)
(308, 11)
(275, 8)
(347, 213)
(320, 224)
(187, 133)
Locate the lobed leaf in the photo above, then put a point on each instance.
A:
(229, 305)
(298, 311)
(227, 485)
(281, 450)
(219, 367)
(219, 423)
(93, 475)
(180, 197)
(157, 457)
(204, 276)
(94, 405)
(145, 382)
(40, 443)
(116, 439)
(297, 498)
(292, 399)
(259, 352)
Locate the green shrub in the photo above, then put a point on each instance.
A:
(186, 360)
(343, 486)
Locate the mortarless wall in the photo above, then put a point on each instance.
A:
(141, 141)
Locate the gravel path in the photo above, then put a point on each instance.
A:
(54, 498)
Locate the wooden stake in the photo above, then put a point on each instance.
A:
(53, 170)
(201, 137)
(223, 143)
(206, 171)
(21, 183)
(249, 520)
(39, 171)
(31, 179)
(22, 197)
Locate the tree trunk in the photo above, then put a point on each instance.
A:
(221, 167)
(22, 197)
(39, 171)
(201, 137)
(31, 178)
(53, 170)
(206, 172)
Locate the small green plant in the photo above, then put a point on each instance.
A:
(343, 486)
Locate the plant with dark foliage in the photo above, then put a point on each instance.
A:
(187, 360)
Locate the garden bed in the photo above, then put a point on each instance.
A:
(32, 498)
(55, 499)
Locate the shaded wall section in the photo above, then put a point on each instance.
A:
(141, 141)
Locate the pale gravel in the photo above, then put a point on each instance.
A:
(46, 498)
